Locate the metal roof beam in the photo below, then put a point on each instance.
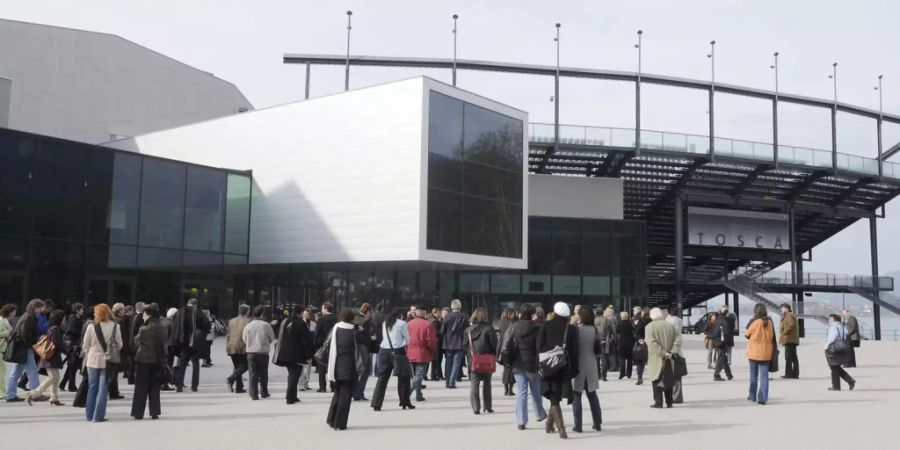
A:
(802, 186)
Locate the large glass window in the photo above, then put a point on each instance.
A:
(204, 213)
(237, 214)
(124, 205)
(15, 191)
(59, 190)
(162, 204)
(475, 179)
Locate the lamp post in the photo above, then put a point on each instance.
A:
(833, 76)
(347, 65)
(775, 114)
(556, 96)
(637, 97)
(455, 17)
(880, 121)
(712, 90)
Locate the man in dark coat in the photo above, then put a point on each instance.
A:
(852, 335)
(323, 330)
(189, 329)
(293, 349)
(72, 338)
(452, 329)
(722, 339)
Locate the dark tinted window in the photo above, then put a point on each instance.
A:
(162, 203)
(124, 204)
(57, 270)
(445, 135)
(204, 219)
(59, 191)
(99, 192)
(444, 220)
(491, 227)
(15, 191)
(492, 138)
(237, 214)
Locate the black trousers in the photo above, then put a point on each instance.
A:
(482, 381)
(640, 369)
(852, 362)
(386, 369)
(791, 363)
(81, 394)
(240, 367)
(259, 374)
(722, 362)
(188, 354)
(837, 374)
(112, 379)
(146, 387)
(659, 393)
(437, 373)
(322, 370)
(625, 367)
(339, 411)
(594, 402)
(294, 372)
(73, 365)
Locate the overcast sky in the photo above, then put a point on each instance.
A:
(243, 42)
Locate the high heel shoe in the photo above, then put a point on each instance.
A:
(410, 406)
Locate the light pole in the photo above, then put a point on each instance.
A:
(833, 76)
(880, 120)
(712, 91)
(775, 116)
(637, 97)
(347, 65)
(455, 17)
(556, 96)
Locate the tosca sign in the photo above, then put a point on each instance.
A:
(710, 227)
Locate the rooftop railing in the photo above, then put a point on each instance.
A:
(699, 145)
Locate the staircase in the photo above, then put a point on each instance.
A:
(885, 299)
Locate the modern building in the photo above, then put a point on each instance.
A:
(88, 86)
(416, 192)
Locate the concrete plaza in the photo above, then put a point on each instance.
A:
(801, 414)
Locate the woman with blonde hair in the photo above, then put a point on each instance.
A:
(100, 340)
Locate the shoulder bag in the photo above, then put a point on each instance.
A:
(482, 362)
(680, 365)
(16, 351)
(555, 360)
(321, 355)
(507, 348)
(840, 346)
(44, 347)
(402, 366)
(111, 349)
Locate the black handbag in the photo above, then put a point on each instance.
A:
(555, 360)
(321, 355)
(402, 366)
(639, 352)
(773, 364)
(16, 351)
(840, 346)
(680, 366)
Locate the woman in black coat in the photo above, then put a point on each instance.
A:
(480, 338)
(344, 342)
(293, 350)
(625, 331)
(558, 332)
(507, 319)
(151, 345)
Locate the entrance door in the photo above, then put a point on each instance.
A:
(12, 286)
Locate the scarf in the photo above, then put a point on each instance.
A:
(332, 349)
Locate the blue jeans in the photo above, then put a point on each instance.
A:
(28, 367)
(95, 405)
(419, 371)
(759, 375)
(453, 366)
(524, 380)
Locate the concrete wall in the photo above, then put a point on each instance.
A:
(575, 197)
(86, 86)
(336, 178)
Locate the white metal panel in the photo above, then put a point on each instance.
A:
(87, 86)
(576, 197)
(336, 178)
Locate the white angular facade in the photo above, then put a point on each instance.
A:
(341, 178)
(88, 86)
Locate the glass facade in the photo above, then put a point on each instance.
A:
(475, 179)
(80, 223)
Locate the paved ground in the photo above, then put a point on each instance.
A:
(801, 414)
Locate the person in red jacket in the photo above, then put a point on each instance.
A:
(422, 345)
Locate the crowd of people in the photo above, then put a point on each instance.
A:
(561, 356)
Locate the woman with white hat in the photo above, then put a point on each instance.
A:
(556, 385)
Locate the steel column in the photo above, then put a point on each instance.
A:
(347, 62)
(798, 308)
(556, 97)
(637, 99)
(775, 129)
(712, 133)
(834, 138)
(873, 242)
(880, 161)
(737, 308)
(679, 252)
(307, 81)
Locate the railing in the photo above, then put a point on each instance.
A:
(824, 280)
(699, 144)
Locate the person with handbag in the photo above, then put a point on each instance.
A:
(8, 311)
(50, 348)
(590, 349)
(482, 351)
(672, 318)
(558, 352)
(392, 360)
(422, 345)
(852, 326)
(149, 359)
(837, 353)
(293, 349)
(662, 343)
(346, 361)
(101, 344)
(20, 351)
(760, 348)
(258, 336)
(625, 344)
